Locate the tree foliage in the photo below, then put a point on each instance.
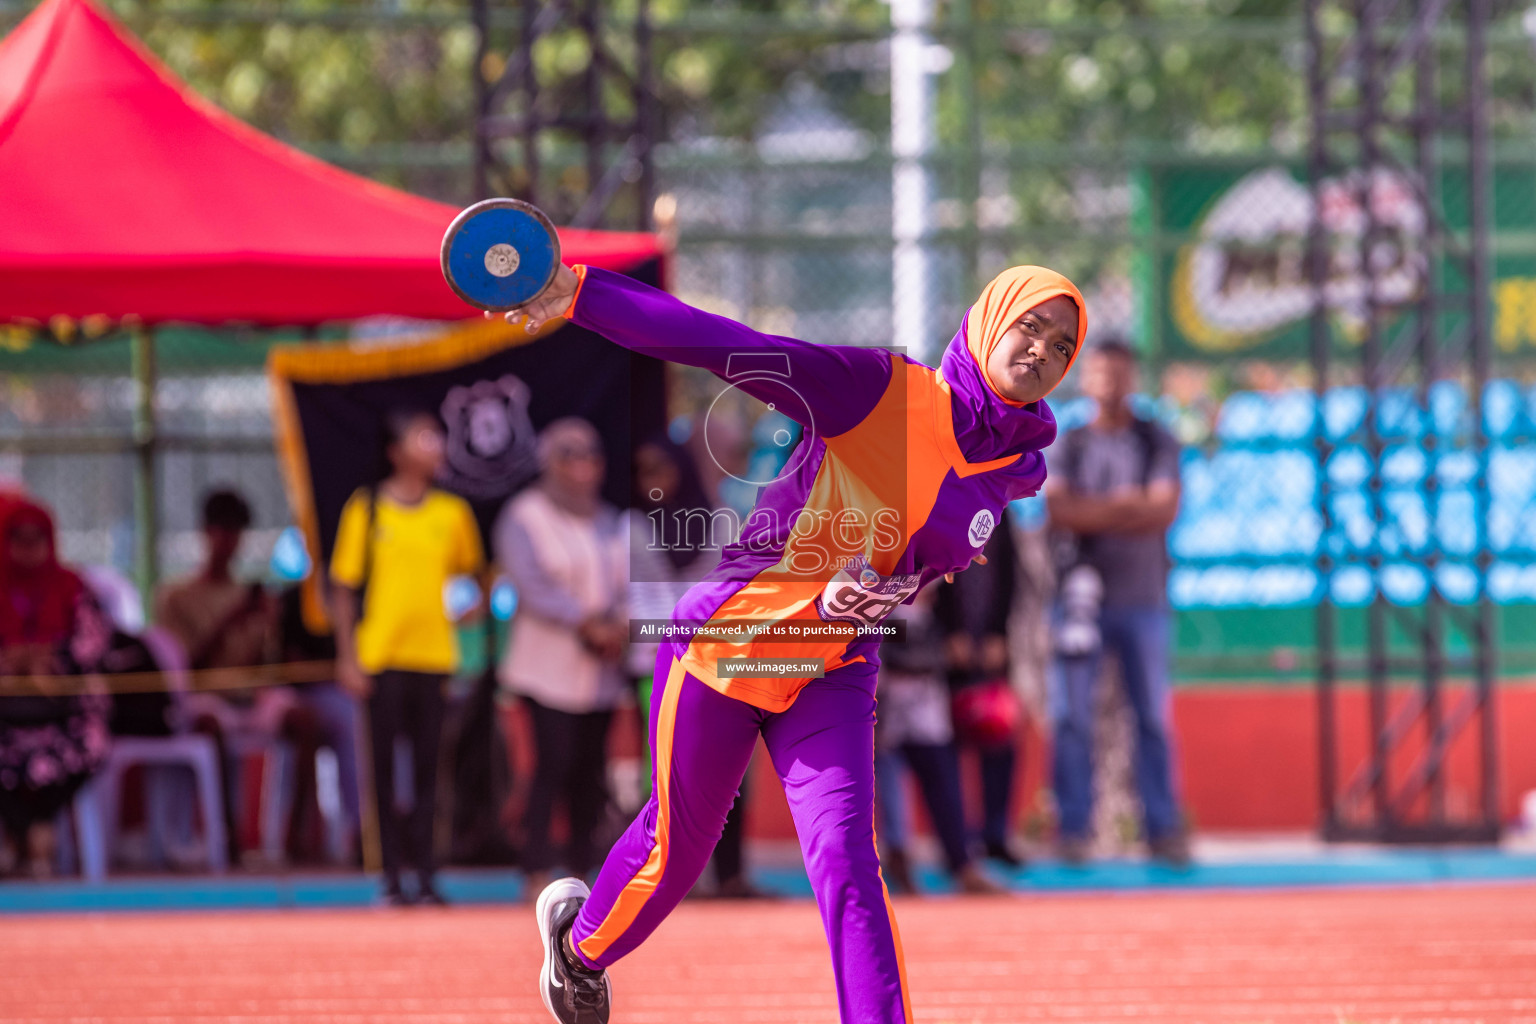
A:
(387, 85)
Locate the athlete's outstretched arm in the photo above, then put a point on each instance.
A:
(839, 383)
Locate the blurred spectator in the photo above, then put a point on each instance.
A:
(398, 545)
(672, 545)
(914, 728)
(143, 704)
(1113, 493)
(973, 615)
(49, 627)
(564, 549)
(229, 628)
(1029, 631)
(335, 709)
(480, 765)
(145, 707)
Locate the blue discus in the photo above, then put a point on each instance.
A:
(500, 254)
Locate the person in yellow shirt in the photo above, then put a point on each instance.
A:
(398, 545)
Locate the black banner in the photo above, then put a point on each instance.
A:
(492, 397)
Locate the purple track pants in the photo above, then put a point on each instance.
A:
(823, 749)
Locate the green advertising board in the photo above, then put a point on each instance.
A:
(1229, 275)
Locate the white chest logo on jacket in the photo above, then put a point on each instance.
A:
(982, 525)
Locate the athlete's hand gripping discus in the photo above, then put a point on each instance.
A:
(500, 254)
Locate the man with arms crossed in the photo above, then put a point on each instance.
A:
(1113, 493)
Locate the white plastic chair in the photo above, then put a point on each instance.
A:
(196, 752)
(278, 765)
(96, 808)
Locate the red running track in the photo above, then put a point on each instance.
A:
(1332, 957)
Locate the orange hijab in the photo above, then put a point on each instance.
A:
(1009, 296)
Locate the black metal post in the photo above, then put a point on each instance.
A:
(1480, 184)
(1317, 275)
(970, 152)
(146, 507)
(1426, 130)
(594, 127)
(1370, 88)
(481, 13)
(530, 101)
(645, 117)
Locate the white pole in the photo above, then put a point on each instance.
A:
(912, 111)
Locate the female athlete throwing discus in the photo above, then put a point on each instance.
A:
(901, 475)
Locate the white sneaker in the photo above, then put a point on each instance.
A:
(573, 995)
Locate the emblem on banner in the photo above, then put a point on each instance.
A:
(490, 450)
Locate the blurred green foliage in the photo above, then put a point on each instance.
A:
(315, 82)
(386, 85)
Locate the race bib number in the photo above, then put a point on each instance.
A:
(860, 595)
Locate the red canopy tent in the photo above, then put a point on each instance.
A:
(124, 193)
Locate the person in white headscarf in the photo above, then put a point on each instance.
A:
(564, 549)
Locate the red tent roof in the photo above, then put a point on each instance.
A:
(123, 192)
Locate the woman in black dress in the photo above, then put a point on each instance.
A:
(53, 737)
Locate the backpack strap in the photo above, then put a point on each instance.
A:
(1068, 548)
(370, 494)
(1072, 450)
(1145, 431)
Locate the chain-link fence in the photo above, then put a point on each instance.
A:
(1153, 152)
(1191, 243)
(69, 439)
